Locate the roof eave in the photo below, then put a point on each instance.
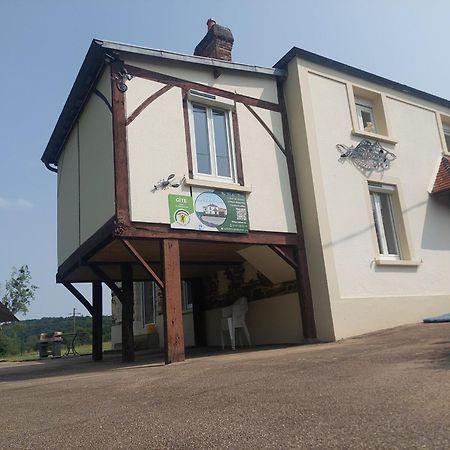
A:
(92, 64)
(358, 73)
(201, 60)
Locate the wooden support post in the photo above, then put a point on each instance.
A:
(173, 316)
(97, 326)
(127, 313)
(305, 297)
(302, 271)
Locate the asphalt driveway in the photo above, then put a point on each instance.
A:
(385, 390)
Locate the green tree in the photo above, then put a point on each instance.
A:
(19, 290)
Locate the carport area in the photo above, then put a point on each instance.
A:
(118, 263)
(389, 389)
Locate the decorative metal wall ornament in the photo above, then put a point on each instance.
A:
(165, 183)
(121, 78)
(367, 155)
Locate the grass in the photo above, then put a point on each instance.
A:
(83, 349)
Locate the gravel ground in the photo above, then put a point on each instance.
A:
(389, 389)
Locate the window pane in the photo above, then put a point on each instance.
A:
(367, 118)
(186, 295)
(373, 200)
(221, 144)
(201, 140)
(447, 140)
(148, 302)
(388, 224)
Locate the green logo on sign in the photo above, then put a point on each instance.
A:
(180, 209)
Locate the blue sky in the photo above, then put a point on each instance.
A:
(44, 43)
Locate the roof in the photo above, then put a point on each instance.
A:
(358, 73)
(442, 181)
(97, 56)
(6, 315)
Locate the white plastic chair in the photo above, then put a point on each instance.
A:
(233, 317)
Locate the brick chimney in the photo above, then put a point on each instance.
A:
(217, 42)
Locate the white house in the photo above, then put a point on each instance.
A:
(328, 183)
(147, 139)
(375, 217)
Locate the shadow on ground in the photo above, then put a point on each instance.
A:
(47, 368)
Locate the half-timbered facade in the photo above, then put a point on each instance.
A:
(316, 190)
(176, 171)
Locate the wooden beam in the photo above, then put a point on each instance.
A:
(287, 254)
(97, 318)
(302, 271)
(149, 270)
(147, 102)
(120, 148)
(102, 97)
(96, 242)
(127, 313)
(237, 148)
(173, 315)
(79, 296)
(110, 283)
(143, 230)
(187, 134)
(265, 126)
(186, 84)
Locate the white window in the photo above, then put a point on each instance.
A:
(365, 114)
(213, 152)
(381, 196)
(446, 128)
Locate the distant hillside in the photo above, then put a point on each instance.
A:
(24, 335)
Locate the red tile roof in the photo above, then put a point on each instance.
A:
(442, 182)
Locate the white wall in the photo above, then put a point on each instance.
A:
(86, 175)
(97, 190)
(275, 320)
(157, 147)
(68, 211)
(365, 296)
(259, 86)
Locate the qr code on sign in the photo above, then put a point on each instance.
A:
(241, 213)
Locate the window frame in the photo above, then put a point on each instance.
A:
(383, 183)
(375, 103)
(152, 285)
(228, 106)
(381, 221)
(212, 144)
(445, 129)
(186, 296)
(364, 105)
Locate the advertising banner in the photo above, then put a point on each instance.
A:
(209, 210)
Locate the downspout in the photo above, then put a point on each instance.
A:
(52, 169)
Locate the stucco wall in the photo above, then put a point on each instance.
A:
(68, 211)
(260, 86)
(157, 148)
(366, 296)
(303, 136)
(86, 175)
(274, 320)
